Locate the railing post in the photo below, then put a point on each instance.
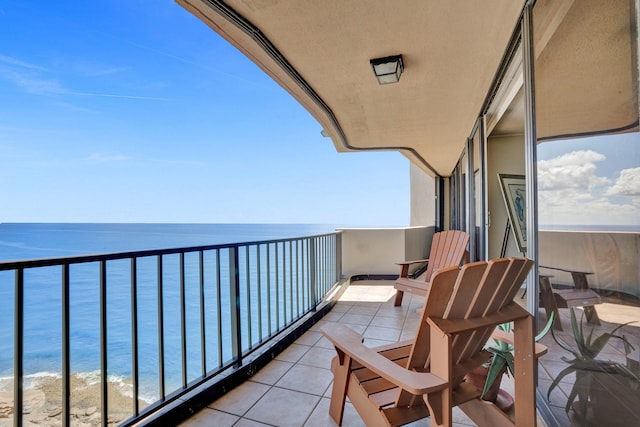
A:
(259, 291)
(268, 255)
(134, 334)
(104, 378)
(338, 238)
(290, 281)
(312, 267)
(18, 333)
(234, 293)
(219, 307)
(66, 368)
(183, 322)
(203, 330)
(160, 284)
(247, 273)
(277, 284)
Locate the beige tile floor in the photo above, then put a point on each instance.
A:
(293, 390)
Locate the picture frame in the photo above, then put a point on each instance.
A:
(514, 194)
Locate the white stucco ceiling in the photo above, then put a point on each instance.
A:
(451, 52)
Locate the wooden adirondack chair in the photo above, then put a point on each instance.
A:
(448, 249)
(400, 383)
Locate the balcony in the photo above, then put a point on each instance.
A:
(267, 355)
(197, 321)
(294, 389)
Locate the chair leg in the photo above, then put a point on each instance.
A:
(398, 301)
(439, 404)
(525, 367)
(341, 373)
(591, 314)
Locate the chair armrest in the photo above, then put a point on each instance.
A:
(411, 285)
(414, 261)
(566, 270)
(350, 342)
(404, 266)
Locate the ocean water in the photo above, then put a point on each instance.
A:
(42, 355)
(29, 241)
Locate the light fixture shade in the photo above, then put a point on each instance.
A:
(387, 69)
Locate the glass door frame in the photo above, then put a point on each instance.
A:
(477, 198)
(466, 214)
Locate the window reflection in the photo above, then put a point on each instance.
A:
(586, 80)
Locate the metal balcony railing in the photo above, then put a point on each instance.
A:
(182, 316)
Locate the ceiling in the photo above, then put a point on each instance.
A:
(319, 51)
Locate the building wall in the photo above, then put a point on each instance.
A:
(423, 197)
(375, 251)
(505, 154)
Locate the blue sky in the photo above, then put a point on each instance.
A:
(590, 181)
(119, 111)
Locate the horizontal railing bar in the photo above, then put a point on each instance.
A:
(49, 262)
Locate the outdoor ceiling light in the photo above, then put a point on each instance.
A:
(387, 69)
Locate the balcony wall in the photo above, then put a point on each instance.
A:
(374, 251)
(611, 257)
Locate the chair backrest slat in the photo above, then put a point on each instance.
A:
(438, 295)
(466, 290)
(447, 249)
(517, 283)
(513, 275)
(457, 241)
(482, 297)
(472, 291)
(513, 279)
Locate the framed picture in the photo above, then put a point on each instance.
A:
(513, 192)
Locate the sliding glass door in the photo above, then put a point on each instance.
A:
(588, 177)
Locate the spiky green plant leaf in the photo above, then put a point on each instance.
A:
(547, 327)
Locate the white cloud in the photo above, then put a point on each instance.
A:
(580, 207)
(627, 184)
(572, 170)
(8, 60)
(34, 84)
(28, 76)
(111, 95)
(35, 80)
(571, 191)
(94, 69)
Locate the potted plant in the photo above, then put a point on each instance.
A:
(595, 379)
(489, 376)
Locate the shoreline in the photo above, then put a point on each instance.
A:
(42, 400)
